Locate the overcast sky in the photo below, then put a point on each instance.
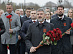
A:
(39, 2)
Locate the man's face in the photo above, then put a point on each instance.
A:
(33, 15)
(40, 15)
(21, 12)
(1, 13)
(18, 12)
(60, 11)
(28, 12)
(9, 8)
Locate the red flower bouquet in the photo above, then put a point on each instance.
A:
(51, 37)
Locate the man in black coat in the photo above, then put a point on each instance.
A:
(26, 24)
(63, 23)
(2, 30)
(26, 17)
(35, 34)
(22, 19)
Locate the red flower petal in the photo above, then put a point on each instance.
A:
(9, 16)
(72, 25)
(0, 29)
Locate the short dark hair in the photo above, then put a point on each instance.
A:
(60, 6)
(9, 4)
(47, 7)
(29, 8)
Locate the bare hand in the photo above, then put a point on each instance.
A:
(32, 49)
(68, 32)
(19, 37)
(10, 30)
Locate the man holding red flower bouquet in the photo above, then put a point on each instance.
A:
(12, 25)
(35, 34)
(63, 23)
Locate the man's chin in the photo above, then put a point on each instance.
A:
(60, 14)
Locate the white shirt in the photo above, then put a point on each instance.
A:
(34, 20)
(48, 20)
(40, 22)
(61, 17)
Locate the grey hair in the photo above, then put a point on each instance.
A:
(41, 9)
(17, 10)
(2, 10)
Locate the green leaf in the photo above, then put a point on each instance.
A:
(55, 43)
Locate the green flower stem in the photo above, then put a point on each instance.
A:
(10, 35)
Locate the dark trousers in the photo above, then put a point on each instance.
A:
(22, 48)
(18, 47)
(72, 49)
(11, 47)
(0, 48)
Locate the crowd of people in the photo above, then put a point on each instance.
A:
(23, 33)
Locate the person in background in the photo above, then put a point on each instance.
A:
(17, 11)
(1, 12)
(22, 19)
(2, 29)
(63, 23)
(27, 23)
(55, 12)
(21, 13)
(47, 9)
(6, 39)
(27, 15)
(70, 15)
(55, 15)
(47, 16)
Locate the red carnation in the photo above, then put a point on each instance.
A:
(57, 29)
(48, 34)
(0, 29)
(72, 25)
(7, 47)
(54, 30)
(9, 16)
(54, 35)
(60, 36)
(52, 39)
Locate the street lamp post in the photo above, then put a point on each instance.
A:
(24, 6)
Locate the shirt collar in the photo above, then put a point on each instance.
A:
(34, 20)
(40, 22)
(48, 20)
(61, 17)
